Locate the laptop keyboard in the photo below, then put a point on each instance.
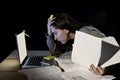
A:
(35, 60)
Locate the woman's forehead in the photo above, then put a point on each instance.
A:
(53, 29)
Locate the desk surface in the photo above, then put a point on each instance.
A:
(9, 66)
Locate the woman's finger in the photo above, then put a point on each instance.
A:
(97, 71)
(101, 70)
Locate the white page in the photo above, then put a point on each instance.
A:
(54, 76)
(86, 49)
(79, 75)
(77, 72)
(42, 72)
(67, 64)
(74, 75)
(111, 40)
(115, 59)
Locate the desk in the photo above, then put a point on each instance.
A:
(10, 65)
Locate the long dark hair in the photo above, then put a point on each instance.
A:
(65, 21)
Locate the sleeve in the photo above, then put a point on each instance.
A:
(113, 70)
(50, 43)
(93, 31)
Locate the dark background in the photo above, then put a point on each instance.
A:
(32, 17)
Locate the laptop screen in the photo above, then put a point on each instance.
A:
(21, 44)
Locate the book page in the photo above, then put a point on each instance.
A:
(111, 40)
(114, 60)
(52, 76)
(74, 75)
(80, 75)
(86, 49)
(67, 64)
(42, 72)
(77, 72)
(107, 52)
(111, 49)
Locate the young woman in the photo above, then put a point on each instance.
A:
(61, 32)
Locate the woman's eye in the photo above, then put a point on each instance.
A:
(55, 33)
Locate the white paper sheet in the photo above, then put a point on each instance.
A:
(88, 49)
(42, 72)
(77, 72)
(115, 59)
(111, 40)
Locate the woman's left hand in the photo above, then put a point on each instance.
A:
(96, 70)
(50, 21)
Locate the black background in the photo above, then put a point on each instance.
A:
(32, 17)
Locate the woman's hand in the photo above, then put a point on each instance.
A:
(50, 21)
(97, 71)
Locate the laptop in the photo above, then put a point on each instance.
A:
(35, 59)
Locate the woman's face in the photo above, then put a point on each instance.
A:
(60, 35)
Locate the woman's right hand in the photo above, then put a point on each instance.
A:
(96, 70)
(50, 21)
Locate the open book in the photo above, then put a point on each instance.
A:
(73, 71)
(88, 49)
(54, 73)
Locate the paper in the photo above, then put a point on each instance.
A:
(88, 49)
(77, 72)
(108, 52)
(67, 64)
(115, 59)
(111, 40)
(42, 72)
(80, 75)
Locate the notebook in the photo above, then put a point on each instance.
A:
(26, 60)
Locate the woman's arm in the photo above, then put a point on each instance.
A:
(55, 47)
(50, 40)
